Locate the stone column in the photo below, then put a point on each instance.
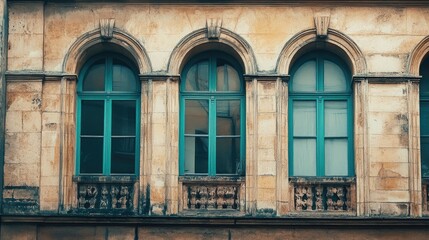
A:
(3, 47)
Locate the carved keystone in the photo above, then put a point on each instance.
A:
(106, 28)
(213, 28)
(322, 25)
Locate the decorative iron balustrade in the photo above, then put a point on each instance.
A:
(105, 196)
(323, 196)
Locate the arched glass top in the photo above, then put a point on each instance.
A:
(319, 72)
(424, 82)
(109, 74)
(211, 72)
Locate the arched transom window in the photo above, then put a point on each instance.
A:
(108, 107)
(212, 116)
(320, 117)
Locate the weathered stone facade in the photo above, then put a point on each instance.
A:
(48, 42)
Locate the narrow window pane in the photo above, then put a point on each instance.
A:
(91, 154)
(336, 157)
(124, 118)
(336, 119)
(124, 78)
(94, 79)
(304, 118)
(425, 156)
(228, 117)
(197, 78)
(227, 155)
(424, 82)
(304, 157)
(196, 155)
(227, 77)
(334, 77)
(304, 79)
(196, 116)
(123, 155)
(92, 118)
(424, 118)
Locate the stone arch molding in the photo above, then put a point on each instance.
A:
(334, 41)
(228, 41)
(417, 55)
(128, 45)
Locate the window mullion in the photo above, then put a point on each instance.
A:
(107, 137)
(320, 129)
(212, 137)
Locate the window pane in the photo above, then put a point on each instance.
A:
(334, 77)
(227, 155)
(304, 118)
(124, 118)
(94, 79)
(425, 156)
(197, 78)
(196, 116)
(196, 155)
(91, 155)
(336, 157)
(424, 118)
(424, 82)
(304, 157)
(228, 117)
(336, 119)
(92, 118)
(304, 79)
(227, 77)
(124, 78)
(123, 155)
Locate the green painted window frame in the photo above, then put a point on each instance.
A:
(212, 96)
(108, 96)
(320, 97)
(424, 99)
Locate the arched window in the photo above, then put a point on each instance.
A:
(212, 112)
(424, 117)
(108, 106)
(320, 117)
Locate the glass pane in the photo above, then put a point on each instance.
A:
(196, 116)
(424, 118)
(94, 79)
(197, 78)
(336, 119)
(124, 78)
(425, 156)
(124, 118)
(304, 118)
(227, 155)
(336, 157)
(334, 77)
(91, 155)
(424, 82)
(92, 118)
(196, 155)
(304, 157)
(227, 77)
(304, 79)
(123, 155)
(228, 117)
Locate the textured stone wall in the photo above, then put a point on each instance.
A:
(41, 119)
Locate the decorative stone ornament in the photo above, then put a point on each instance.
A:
(106, 28)
(322, 25)
(213, 28)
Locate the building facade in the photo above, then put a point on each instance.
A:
(214, 119)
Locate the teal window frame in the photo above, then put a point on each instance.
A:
(212, 96)
(108, 96)
(320, 97)
(424, 125)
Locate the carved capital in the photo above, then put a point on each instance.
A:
(106, 28)
(213, 28)
(322, 25)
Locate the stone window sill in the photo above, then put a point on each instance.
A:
(105, 179)
(316, 180)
